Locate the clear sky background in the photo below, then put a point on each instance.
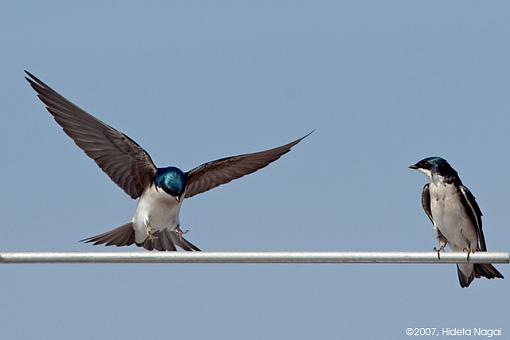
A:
(384, 84)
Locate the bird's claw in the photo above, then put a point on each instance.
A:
(152, 233)
(469, 251)
(438, 251)
(180, 232)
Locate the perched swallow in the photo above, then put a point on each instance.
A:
(456, 216)
(160, 191)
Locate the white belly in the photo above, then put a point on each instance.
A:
(157, 208)
(450, 216)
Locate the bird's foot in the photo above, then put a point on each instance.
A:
(469, 251)
(152, 233)
(439, 251)
(180, 232)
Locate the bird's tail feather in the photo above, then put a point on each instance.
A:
(125, 235)
(466, 276)
(121, 236)
(487, 270)
(478, 270)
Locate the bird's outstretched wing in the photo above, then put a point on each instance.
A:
(474, 212)
(210, 175)
(120, 157)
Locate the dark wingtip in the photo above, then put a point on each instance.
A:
(308, 134)
(30, 77)
(32, 80)
(87, 240)
(35, 82)
(487, 270)
(291, 144)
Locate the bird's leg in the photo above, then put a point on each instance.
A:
(179, 231)
(469, 251)
(152, 233)
(442, 245)
(442, 242)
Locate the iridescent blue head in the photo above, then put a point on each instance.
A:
(172, 180)
(436, 166)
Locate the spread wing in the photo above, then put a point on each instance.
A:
(120, 157)
(425, 201)
(475, 214)
(210, 175)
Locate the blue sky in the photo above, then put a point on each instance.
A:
(384, 84)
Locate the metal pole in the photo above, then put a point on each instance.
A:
(251, 257)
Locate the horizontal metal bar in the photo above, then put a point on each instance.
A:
(252, 257)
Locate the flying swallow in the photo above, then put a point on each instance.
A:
(160, 191)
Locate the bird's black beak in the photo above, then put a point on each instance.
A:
(178, 198)
(414, 166)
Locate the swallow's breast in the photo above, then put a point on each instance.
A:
(450, 216)
(158, 208)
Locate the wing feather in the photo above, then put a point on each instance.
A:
(212, 174)
(121, 158)
(475, 214)
(425, 201)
